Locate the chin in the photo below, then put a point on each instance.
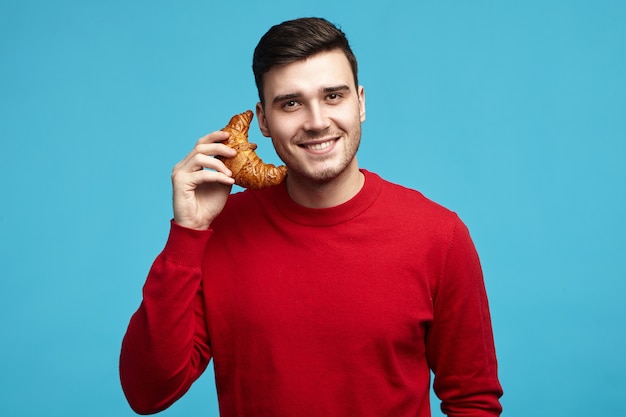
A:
(325, 175)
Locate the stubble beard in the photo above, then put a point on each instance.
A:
(327, 174)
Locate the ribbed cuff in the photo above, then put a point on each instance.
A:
(186, 246)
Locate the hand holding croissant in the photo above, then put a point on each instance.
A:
(248, 169)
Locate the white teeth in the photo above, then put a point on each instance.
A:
(320, 146)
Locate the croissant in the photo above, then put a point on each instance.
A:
(248, 169)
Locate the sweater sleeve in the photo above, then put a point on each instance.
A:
(460, 344)
(165, 348)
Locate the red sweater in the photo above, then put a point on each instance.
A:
(318, 312)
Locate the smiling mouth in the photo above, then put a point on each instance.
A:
(318, 146)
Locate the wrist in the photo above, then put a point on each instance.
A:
(191, 225)
(185, 246)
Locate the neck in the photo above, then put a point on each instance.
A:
(328, 194)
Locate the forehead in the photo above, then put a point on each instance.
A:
(325, 69)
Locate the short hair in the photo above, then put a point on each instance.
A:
(295, 40)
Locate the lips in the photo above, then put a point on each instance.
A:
(318, 146)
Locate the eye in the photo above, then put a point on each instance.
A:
(290, 105)
(334, 97)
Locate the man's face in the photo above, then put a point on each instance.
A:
(313, 113)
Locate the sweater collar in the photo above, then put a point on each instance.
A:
(331, 215)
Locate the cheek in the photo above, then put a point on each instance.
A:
(281, 129)
(280, 136)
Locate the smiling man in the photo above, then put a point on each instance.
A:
(313, 110)
(334, 293)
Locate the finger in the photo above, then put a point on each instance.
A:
(196, 163)
(202, 161)
(215, 149)
(202, 156)
(217, 136)
(204, 176)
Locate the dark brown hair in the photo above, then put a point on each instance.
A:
(295, 40)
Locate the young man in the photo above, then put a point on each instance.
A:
(334, 293)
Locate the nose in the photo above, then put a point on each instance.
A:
(316, 120)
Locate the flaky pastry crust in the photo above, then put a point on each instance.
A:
(249, 171)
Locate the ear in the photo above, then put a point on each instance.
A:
(361, 93)
(262, 120)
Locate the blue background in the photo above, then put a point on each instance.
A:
(511, 113)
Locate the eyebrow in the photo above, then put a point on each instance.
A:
(325, 90)
(285, 97)
(337, 88)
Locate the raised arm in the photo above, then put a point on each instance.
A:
(166, 347)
